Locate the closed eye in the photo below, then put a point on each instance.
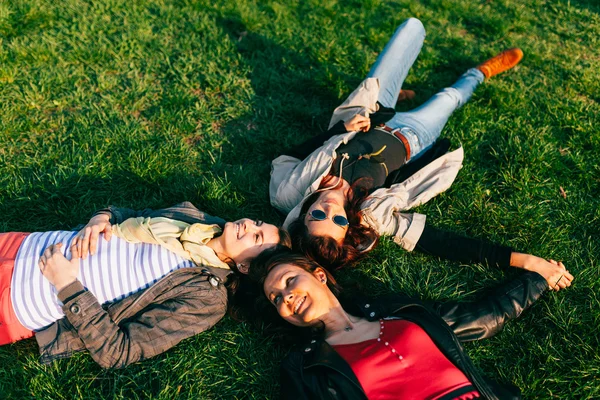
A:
(278, 298)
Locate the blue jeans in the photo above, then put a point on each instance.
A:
(423, 125)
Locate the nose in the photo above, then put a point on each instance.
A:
(248, 226)
(288, 297)
(327, 209)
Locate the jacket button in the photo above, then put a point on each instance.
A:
(306, 350)
(367, 305)
(75, 309)
(313, 341)
(372, 314)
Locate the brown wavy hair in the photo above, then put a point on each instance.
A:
(325, 250)
(261, 311)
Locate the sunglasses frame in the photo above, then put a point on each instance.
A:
(323, 217)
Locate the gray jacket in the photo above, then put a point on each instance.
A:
(182, 304)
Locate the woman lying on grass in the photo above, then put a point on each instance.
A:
(346, 187)
(391, 348)
(163, 277)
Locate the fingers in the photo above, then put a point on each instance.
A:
(563, 277)
(107, 232)
(47, 254)
(367, 126)
(93, 241)
(569, 276)
(562, 283)
(85, 243)
(74, 251)
(358, 123)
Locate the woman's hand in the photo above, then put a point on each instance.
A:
(86, 240)
(358, 123)
(554, 272)
(55, 267)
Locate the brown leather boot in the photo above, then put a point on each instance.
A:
(500, 63)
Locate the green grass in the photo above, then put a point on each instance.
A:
(148, 103)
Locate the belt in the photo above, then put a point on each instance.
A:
(396, 132)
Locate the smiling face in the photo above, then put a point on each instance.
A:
(301, 297)
(332, 203)
(244, 239)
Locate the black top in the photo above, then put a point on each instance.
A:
(373, 155)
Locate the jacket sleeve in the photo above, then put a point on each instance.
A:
(452, 246)
(487, 316)
(156, 328)
(184, 211)
(405, 229)
(120, 214)
(292, 386)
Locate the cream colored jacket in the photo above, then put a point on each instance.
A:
(292, 180)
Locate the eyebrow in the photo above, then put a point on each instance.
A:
(271, 294)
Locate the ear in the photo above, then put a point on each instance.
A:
(320, 274)
(243, 268)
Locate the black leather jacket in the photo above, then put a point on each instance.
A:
(315, 370)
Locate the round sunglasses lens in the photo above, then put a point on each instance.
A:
(339, 220)
(318, 215)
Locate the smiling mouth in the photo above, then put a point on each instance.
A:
(299, 304)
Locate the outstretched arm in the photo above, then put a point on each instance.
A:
(487, 316)
(452, 246)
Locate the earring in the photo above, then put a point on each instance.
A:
(322, 280)
(240, 266)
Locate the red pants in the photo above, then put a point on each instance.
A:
(11, 329)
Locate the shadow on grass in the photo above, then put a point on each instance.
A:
(293, 96)
(73, 198)
(590, 5)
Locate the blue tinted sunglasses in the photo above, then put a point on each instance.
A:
(339, 220)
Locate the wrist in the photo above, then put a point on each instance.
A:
(63, 283)
(519, 260)
(101, 217)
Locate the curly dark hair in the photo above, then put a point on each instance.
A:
(325, 250)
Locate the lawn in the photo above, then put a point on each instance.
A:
(149, 103)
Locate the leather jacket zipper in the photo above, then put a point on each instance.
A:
(473, 375)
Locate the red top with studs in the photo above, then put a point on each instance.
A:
(403, 363)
